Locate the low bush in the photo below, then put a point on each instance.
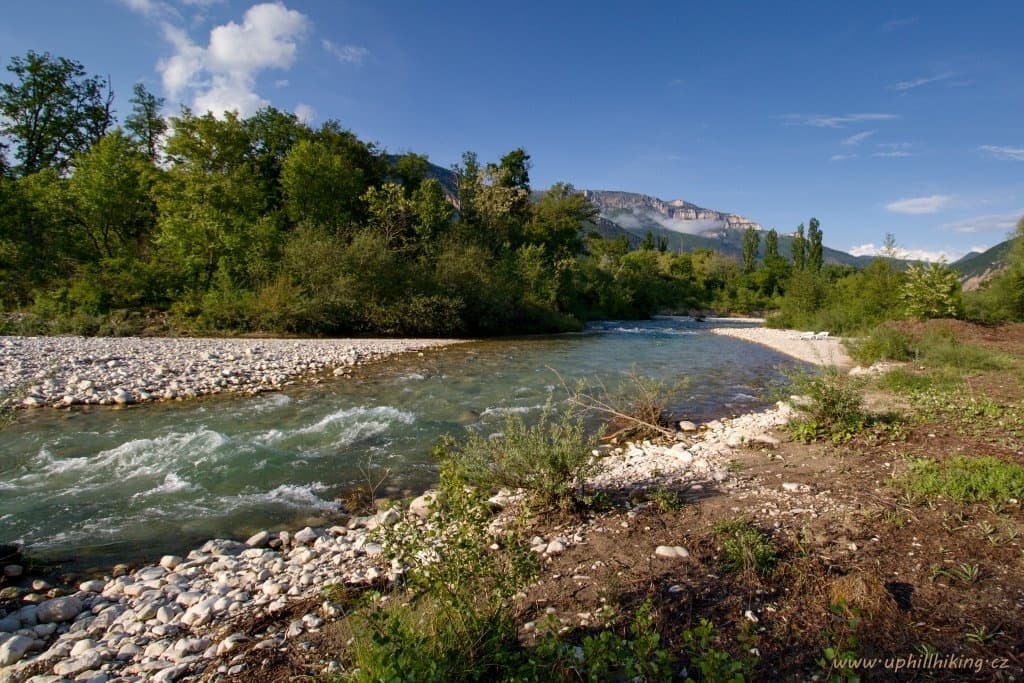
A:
(880, 344)
(833, 406)
(965, 480)
(745, 549)
(550, 459)
(940, 348)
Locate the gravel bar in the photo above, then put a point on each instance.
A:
(817, 349)
(68, 371)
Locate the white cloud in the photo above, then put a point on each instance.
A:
(898, 23)
(347, 54)
(305, 112)
(858, 138)
(871, 249)
(201, 3)
(843, 157)
(991, 223)
(151, 8)
(920, 205)
(904, 86)
(1005, 153)
(894, 145)
(892, 154)
(222, 76)
(840, 121)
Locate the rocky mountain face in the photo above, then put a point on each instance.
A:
(673, 214)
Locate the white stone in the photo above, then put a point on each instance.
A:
(258, 540)
(95, 586)
(671, 552)
(687, 426)
(170, 561)
(59, 609)
(13, 649)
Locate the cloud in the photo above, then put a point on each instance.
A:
(151, 8)
(892, 154)
(824, 121)
(676, 82)
(894, 145)
(636, 220)
(894, 24)
(346, 54)
(871, 249)
(1005, 153)
(222, 76)
(920, 205)
(858, 138)
(305, 112)
(991, 223)
(843, 157)
(904, 86)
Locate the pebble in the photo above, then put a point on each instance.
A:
(672, 552)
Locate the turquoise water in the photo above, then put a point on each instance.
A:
(119, 484)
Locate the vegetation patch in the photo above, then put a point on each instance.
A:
(965, 480)
(745, 548)
(832, 405)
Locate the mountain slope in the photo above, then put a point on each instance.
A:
(977, 267)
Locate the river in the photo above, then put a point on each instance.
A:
(103, 485)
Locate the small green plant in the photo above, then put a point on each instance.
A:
(966, 573)
(636, 410)
(980, 635)
(840, 654)
(964, 480)
(550, 459)
(714, 664)
(745, 548)
(833, 406)
(665, 500)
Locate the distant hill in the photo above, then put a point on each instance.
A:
(685, 226)
(977, 267)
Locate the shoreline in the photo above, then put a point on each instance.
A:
(821, 351)
(63, 372)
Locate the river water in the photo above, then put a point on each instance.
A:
(104, 485)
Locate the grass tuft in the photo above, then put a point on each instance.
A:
(965, 480)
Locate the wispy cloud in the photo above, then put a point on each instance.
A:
(153, 9)
(843, 157)
(858, 138)
(894, 24)
(305, 112)
(892, 154)
(871, 249)
(222, 75)
(1005, 153)
(676, 82)
(838, 121)
(991, 223)
(347, 54)
(904, 86)
(920, 205)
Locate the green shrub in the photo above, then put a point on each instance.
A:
(745, 548)
(881, 343)
(715, 664)
(940, 348)
(550, 459)
(965, 480)
(833, 407)
(910, 382)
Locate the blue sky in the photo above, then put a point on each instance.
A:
(875, 117)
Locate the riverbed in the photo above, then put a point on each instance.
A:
(115, 484)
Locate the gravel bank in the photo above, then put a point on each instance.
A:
(67, 371)
(210, 614)
(803, 346)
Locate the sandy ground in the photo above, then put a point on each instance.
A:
(816, 350)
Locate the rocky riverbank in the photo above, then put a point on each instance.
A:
(192, 617)
(810, 347)
(70, 371)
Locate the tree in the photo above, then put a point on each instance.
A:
(815, 250)
(52, 110)
(751, 244)
(145, 123)
(648, 243)
(557, 220)
(931, 291)
(663, 244)
(392, 214)
(771, 244)
(322, 186)
(799, 248)
(110, 196)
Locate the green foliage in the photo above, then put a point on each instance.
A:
(815, 255)
(52, 110)
(939, 348)
(799, 249)
(145, 124)
(714, 664)
(909, 382)
(882, 343)
(745, 549)
(550, 459)
(832, 406)
(842, 648)
(751, 244)
(931, 291)
(964, 480)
